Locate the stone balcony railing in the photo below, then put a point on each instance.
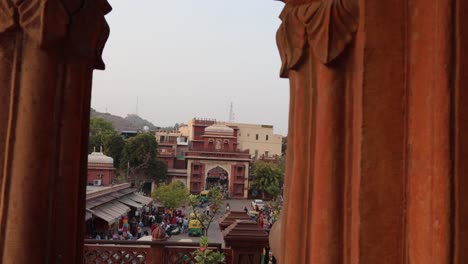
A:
(244, 242)
(143, 252)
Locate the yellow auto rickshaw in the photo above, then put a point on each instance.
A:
(204, 196)
(195, 227)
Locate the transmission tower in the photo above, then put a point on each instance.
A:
(136, 108)
(231, 113)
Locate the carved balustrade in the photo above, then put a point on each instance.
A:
(141, 252)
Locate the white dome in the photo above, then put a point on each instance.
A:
(219, 128)
(100, 158)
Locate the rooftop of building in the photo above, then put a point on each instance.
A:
(95, 191)
(99, 158)
(219, 128)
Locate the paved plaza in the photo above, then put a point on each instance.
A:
(214, 233)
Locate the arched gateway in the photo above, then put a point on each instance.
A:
(218, 177)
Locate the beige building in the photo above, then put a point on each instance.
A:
(258, 139)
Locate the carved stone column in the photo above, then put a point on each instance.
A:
(48, 50)
(377, 142)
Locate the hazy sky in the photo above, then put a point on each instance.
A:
(189, 58)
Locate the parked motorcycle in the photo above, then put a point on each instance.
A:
(172, 230)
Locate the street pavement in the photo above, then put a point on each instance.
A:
(214, 233)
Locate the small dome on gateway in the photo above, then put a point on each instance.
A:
(100, 158)
(219, 128)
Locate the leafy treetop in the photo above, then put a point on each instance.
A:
(172, 195)
(215, 198)
(268, 177)
(139, 157)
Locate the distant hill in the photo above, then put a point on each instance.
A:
(130, 122)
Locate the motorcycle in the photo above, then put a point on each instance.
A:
(172, 230)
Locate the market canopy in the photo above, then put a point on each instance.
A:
(140, 198)
(101, 200)
(111, 211)
(126, 200)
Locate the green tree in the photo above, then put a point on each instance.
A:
(113, 147)
(139, 157)
(172, 195)
(103, 134)
(267, 177)
(99, 130)
(216, 198)
(284, 144)
(282, 163)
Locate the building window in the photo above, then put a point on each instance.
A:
(256, 136)
(266, 137)
(267, 153)
(210, 144)
(239, 188)
(239, 134)
(256, 154)
(218, 144)
(240, 171)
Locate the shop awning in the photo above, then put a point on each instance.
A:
(140, 198)
(111, 211)
(101, 200)
(126, 200)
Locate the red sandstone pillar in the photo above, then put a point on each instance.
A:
(377, 143)
(48, 50)
(460, 131)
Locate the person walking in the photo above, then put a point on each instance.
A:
(208, 210)
(139, 232)
(228, 208)
(260, 220)
(185, 226)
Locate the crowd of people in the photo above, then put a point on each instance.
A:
(141, 222)
(170, 217)
(267, 216)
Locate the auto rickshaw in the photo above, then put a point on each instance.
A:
(204, 196)
(195, 227)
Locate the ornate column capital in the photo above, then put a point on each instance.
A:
(77, 26)
(6, 15)
(326, 26)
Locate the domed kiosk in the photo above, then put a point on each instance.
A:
(100, 169)
(219, 129)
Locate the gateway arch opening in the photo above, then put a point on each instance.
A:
(218, 177)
